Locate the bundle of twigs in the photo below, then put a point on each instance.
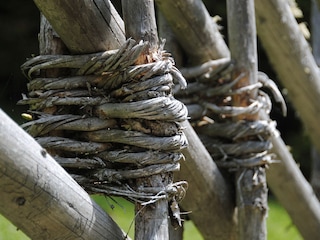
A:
(109, 121)
(209, 101)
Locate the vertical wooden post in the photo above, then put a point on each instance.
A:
(151, 220)
(251, 189)
(211, 201)
(173, 48)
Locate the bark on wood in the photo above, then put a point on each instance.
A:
(251, 187)
(151, 221)
(212, 210)
(291, 57)
(40, 198)
(84, 26)
(54, 210)
(279, 176)
(200, 199)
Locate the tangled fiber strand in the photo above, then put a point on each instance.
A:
(110, 121)
(241, 144)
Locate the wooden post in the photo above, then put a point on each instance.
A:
(290, 55)
(215, 193)
(251, 185)
(211, 201)
(277, 174)
(40, 197)
(291, 58)
(164, 31)
(293, 191)
(194, 28)
(84, 26)
(151, 220)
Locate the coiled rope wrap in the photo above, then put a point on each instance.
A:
(241, 144)
(110, 121)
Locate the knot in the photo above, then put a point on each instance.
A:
(110, 121)
(233, 145)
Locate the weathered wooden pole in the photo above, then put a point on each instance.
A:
(212, 210)
(285, 179)
(215, 195)
(190, 20)
(84, 26)
(151, 220)
(251, 184)
(293, 191)
(291, 57)
(39, 196)
(164, 31)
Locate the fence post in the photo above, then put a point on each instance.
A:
(152, 221)
(251, 184)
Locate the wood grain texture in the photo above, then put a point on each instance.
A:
(194, 28)
(199, 203)
(291, 58)
(40, 198)
(84, 26)
(285, 179)
(251, 183)
(152, 221)
(293, 191)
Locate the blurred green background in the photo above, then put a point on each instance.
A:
(279, 224)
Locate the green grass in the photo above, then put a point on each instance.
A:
(279, 224)
(9, 231)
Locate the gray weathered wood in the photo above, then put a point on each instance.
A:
(200, 205)
(84, 26)
(151, 221)
(192, 24)
(279, 176)
(251, 183)
(40, 198)
(37, 195)
(291, 57)
(293, 191)
(211, 210)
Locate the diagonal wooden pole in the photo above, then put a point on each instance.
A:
(199, 167)
(251, 183)
(211, 202)
(84, 26)
(39, 196)
(292, 59)
(278, 174)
